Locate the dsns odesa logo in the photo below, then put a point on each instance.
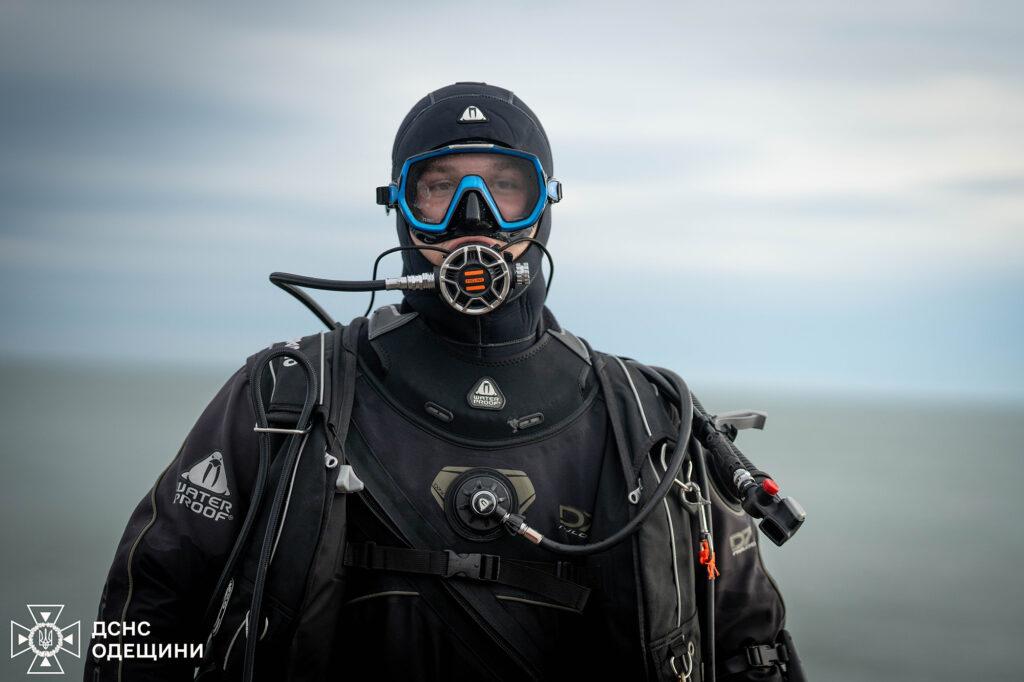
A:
(45, 639)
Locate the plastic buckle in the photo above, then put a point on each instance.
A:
(476, 566)
(764, 656)
(490, 566)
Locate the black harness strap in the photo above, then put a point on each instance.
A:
(621, 441)
(344, 369)
(756, 657)
(543, 579)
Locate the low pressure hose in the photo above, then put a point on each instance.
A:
(781, 517)
(727, 442)
(516, 523)
(296, 438)
(327, 284)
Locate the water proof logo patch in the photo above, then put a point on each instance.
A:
(485, 395)
(45, 639)
(204, 488)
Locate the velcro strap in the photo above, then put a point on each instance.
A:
(545, 580)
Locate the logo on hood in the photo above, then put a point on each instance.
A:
(486, 395)
(472, 114)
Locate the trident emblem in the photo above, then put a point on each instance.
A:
(45, 639)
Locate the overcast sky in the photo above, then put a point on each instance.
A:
(787, 194)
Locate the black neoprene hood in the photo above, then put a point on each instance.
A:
(434, 122)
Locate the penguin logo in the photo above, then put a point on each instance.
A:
(485, 395)
(472, 114)
(209, 474)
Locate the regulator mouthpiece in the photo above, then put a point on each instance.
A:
(475, 279)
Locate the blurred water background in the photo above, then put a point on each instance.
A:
(906, 570)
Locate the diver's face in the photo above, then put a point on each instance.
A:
(510, 180)
(435, 257)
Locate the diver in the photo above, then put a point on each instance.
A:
(455, 487)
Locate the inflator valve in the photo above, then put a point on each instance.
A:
(781, 517)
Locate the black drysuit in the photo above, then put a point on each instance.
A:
(413, 414)
(177, 540)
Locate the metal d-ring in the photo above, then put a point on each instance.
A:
(270, 429)
(687, 662)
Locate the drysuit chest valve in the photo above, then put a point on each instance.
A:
(471, 499)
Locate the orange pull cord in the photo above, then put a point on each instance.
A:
(707, 558)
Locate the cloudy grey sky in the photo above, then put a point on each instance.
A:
(793, 194)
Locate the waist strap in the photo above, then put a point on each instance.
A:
(549, 580)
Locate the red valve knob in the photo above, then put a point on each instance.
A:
(770, 486)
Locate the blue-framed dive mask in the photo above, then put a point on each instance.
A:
(473, 187)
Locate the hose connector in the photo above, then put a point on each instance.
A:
(426, 280)
(516, 524)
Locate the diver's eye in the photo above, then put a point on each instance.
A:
(441, 187)
(507, 185)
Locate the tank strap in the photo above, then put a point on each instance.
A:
(546, 580)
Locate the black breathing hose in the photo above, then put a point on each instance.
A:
(327, 284)
(517, 525)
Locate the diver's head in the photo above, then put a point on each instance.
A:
(470, 162)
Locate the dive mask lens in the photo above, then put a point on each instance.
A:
(511, 183)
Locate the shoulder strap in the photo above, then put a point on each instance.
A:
(287, 389)
(283, 388)
(639, 418)
(344, 382)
